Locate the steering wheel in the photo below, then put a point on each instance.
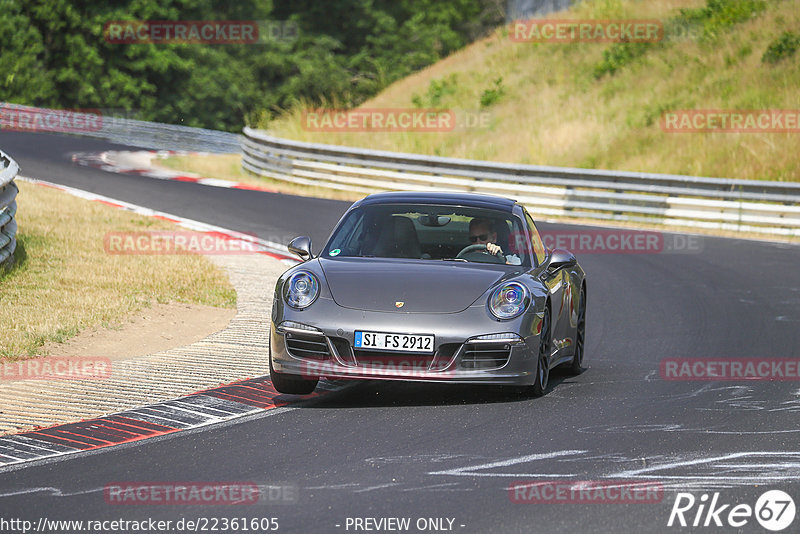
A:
(481, 249)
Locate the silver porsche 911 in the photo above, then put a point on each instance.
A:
(437, 287)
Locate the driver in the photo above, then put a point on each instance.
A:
(482, 232)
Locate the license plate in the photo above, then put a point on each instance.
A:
(394, 342)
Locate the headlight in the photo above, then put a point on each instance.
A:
(509, 301)
(301, 290)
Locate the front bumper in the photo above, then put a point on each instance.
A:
(319, 344)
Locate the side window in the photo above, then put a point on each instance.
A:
(518, 242)
(539, 249)
(346, 238)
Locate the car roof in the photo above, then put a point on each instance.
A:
(455, 198)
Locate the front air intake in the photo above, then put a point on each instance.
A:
(485, 355)
(309, 346)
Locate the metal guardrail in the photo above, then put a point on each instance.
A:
(151, 135)
(8, 208)
(722, 204)
(158, 136)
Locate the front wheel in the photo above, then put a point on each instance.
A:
(576, 367)
(291, 384)
(543, 361)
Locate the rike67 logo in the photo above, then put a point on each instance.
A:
(774, 510)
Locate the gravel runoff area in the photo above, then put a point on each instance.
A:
(238, 352)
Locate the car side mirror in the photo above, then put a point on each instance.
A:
(561, 259)
(301, 246)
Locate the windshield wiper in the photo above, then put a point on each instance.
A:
(455, 259)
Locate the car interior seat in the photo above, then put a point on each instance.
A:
(398, 239)
(503, 235)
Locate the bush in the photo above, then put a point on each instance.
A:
(437, 91)
(782, 47)
(493, 94)
(718, 15)
(619, 55)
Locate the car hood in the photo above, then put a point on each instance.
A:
(423, 287)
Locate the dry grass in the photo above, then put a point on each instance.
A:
(222, 166)
(64, 282)
(229, 167)
(555, 112)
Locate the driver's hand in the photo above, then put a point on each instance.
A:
(493, 248)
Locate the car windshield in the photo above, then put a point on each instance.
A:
(430, 232)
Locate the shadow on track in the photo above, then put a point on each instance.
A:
(387, 393)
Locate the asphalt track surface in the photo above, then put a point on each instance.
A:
(387, 449)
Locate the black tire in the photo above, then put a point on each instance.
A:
(539, 387)
(291, 384)
(576, 367)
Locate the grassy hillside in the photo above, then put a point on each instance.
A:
(599, 105)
